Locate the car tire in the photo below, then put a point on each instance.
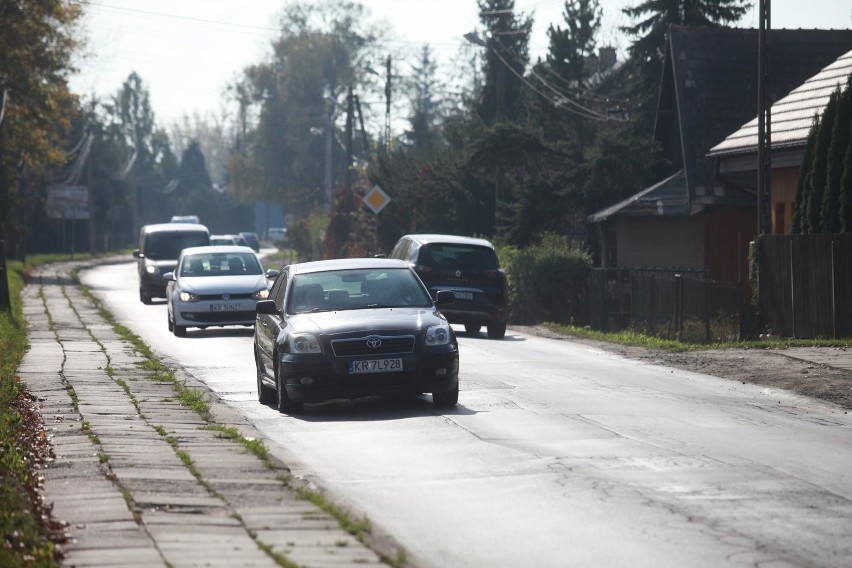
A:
(264, 393)
(448, 399)
(179, 330)
(283, 402)
(496, 331)
(144, 295)
(171, 323)
(472, 329)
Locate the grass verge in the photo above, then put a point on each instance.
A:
(26, 539)
(630, 337)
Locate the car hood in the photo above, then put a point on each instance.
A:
(243, 283)
(367, 320)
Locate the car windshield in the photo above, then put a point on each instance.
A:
(455, 256)
(356, 289)
(167, 246)
(220, 264)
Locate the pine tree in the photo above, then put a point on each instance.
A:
(425, 117)
(819, 172)
(506, 58)
(846, 191)
(572, 46)
(652, 19)
(830, 214)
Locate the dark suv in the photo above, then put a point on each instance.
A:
(159, 248)
(466, 266)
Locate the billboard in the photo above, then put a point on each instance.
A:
(68, 202)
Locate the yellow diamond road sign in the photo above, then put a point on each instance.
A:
(376, 199)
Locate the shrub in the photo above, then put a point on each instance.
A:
(548, 281)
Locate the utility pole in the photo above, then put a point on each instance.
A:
(764, 124)
(350, 111)
(388, 91)
(5, 300)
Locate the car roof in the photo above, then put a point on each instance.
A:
(345, 264)
(186, 227)
(425, 239)
(216, 248)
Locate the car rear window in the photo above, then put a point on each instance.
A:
(458, 256)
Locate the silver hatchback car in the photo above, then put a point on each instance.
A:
(214, 286)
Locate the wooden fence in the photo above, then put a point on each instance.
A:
(660, 300)
(805, 284)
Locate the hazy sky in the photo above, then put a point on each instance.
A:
(186, 51)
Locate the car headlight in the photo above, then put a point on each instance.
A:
(303, 343)
(438, 335)
(152, 269)
(260, 294)
(189, 297)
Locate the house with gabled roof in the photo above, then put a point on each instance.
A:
(791, 119)
(691, 218)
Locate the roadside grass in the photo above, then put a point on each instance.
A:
(26, 540)
(632, 337)
(280, 259)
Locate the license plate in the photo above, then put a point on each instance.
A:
(463, 295)
(375, 366)
(226, 307)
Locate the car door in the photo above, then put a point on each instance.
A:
(266, 328)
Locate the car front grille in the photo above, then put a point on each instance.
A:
(215, 297)
(362, 345)
(217, 317)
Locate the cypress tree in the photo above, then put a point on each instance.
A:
(803, 186)
(819, 173)
(846, 191)
(830, 213)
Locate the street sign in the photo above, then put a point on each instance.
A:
(376, 199)
(68, 202)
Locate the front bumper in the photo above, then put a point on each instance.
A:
(315, 378)
(201, 314)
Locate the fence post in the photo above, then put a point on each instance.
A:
(706, 308)
(678, 307)
(653, 315)
(792, 292)
(5, 301)
(833, 296)
(604, 311)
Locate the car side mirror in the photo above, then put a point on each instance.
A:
(169, 276)
(266, 307)
(271, 273)
(137, 254)
(444, 297)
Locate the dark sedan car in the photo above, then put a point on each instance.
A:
(353, 328)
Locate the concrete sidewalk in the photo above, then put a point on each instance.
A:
(140, 479)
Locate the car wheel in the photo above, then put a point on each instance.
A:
(179, 330)
(471, 328)
(446, 399)
(283, 402)
(144, 295)
(264, 393)
(496, 331)
(171, 323)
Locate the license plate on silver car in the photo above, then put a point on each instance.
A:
(375, 366)
(463, 295)
(226, 307)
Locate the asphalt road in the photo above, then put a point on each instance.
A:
(557, 455)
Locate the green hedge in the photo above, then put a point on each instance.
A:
(548, 281)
